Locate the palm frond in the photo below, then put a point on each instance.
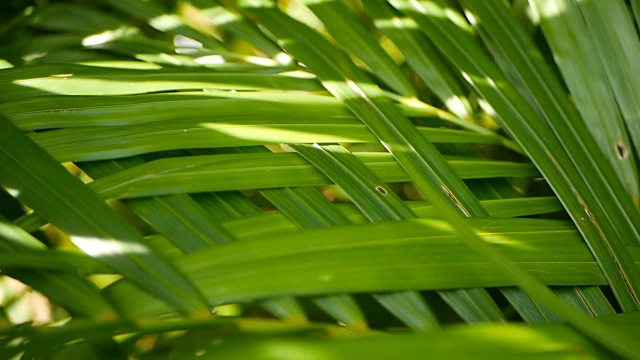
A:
(233, 178)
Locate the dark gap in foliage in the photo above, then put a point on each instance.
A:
(608, 293)
(424, 93)
(174, 91)
(377, 316)
(429, 121)
(558, 215)
(491, 189)
(10, 208)
(254, 310)
(508, 311)
(539, 187)
(258, 200)
(498, 152)
(443, 312)
(313, 312)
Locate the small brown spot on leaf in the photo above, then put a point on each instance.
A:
(381, 190)
(622, 150)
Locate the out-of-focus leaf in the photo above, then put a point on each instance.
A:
(481, 341)
(26, 259)
(48, 188)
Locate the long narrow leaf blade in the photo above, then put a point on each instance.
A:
(50, 190)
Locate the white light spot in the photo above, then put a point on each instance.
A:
(283, 59)
(210, 60)
(550, 8)
(166, 22)
(104, 247)
(13, 192)
(471, 18)
(356, 88)
(260, 61)
(455, 105)
(34, 56)
(484, 105)
(98, 39)
(183, 41)
(467, 77)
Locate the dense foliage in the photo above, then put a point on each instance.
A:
(314, 179)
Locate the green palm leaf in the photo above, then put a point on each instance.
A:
(239, 176)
